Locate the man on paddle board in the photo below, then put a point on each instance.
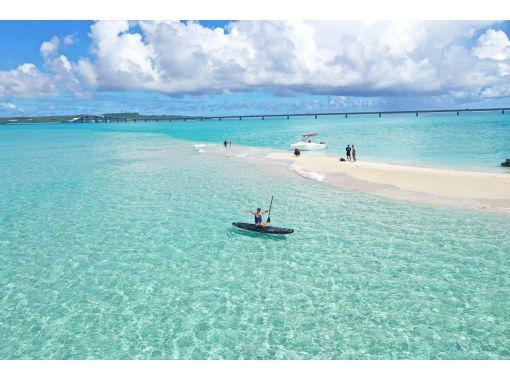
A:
(258, 217)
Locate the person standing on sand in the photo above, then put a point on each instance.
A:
(353, 151)
(225, 143)
(230, 143)
(348, 152)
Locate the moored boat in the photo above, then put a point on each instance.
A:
(307, 143)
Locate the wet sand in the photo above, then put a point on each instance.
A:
(445, 187)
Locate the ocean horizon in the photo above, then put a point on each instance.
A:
(477, 141)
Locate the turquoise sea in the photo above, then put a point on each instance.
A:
(116, 243)
(479, 141)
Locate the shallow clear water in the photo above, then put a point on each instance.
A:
(118, 244)
(471, 141)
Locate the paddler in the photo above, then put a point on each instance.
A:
(258, 217)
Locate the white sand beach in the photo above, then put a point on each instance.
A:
(447, 187)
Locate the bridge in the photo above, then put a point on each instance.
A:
(315, 115)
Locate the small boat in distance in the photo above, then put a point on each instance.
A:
(307, 143)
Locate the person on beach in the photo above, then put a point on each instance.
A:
(230, 143)
(353, 152)
(258, 217)
(348, 152)
(225, 143)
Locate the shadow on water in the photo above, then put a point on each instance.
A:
(256, 235)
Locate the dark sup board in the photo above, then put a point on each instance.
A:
(265, 230)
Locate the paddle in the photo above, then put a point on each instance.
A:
(269, 214)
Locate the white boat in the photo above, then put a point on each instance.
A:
(307, 143)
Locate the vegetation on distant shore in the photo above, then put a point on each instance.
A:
(72, 118)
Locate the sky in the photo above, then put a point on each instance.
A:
(226, 67)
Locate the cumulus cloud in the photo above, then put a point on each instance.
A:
(26, 81)
(497, 91)
(86, 71)
(337, 58)
(63, 74)
(59, 75)
(69, 39)
(493, 44)
(290, 57)
(122, 60)
(50, 47)
(8, 105)
(337, 101)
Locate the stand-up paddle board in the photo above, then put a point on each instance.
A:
(265, 230)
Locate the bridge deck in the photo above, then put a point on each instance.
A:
(98, 118)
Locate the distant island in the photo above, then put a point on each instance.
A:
(85, 118)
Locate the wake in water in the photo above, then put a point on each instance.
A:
(306, 174)
(198, 147)
(258, 156)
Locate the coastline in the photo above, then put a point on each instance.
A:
(461, 189)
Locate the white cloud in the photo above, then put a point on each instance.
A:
(26, 81)
(63, 74)
(337, 101)
(50, 47)
(337, 58)
(122, 60)
(8, 105)
(285, 57)
(86, 71)
(69, 39)
(493, 44)
(496, 91)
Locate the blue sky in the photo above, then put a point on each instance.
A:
(20, 40)
(64, 67)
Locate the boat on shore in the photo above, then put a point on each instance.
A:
(307, 143)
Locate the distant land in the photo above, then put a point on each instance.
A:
(85, 117)
(135, 116)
